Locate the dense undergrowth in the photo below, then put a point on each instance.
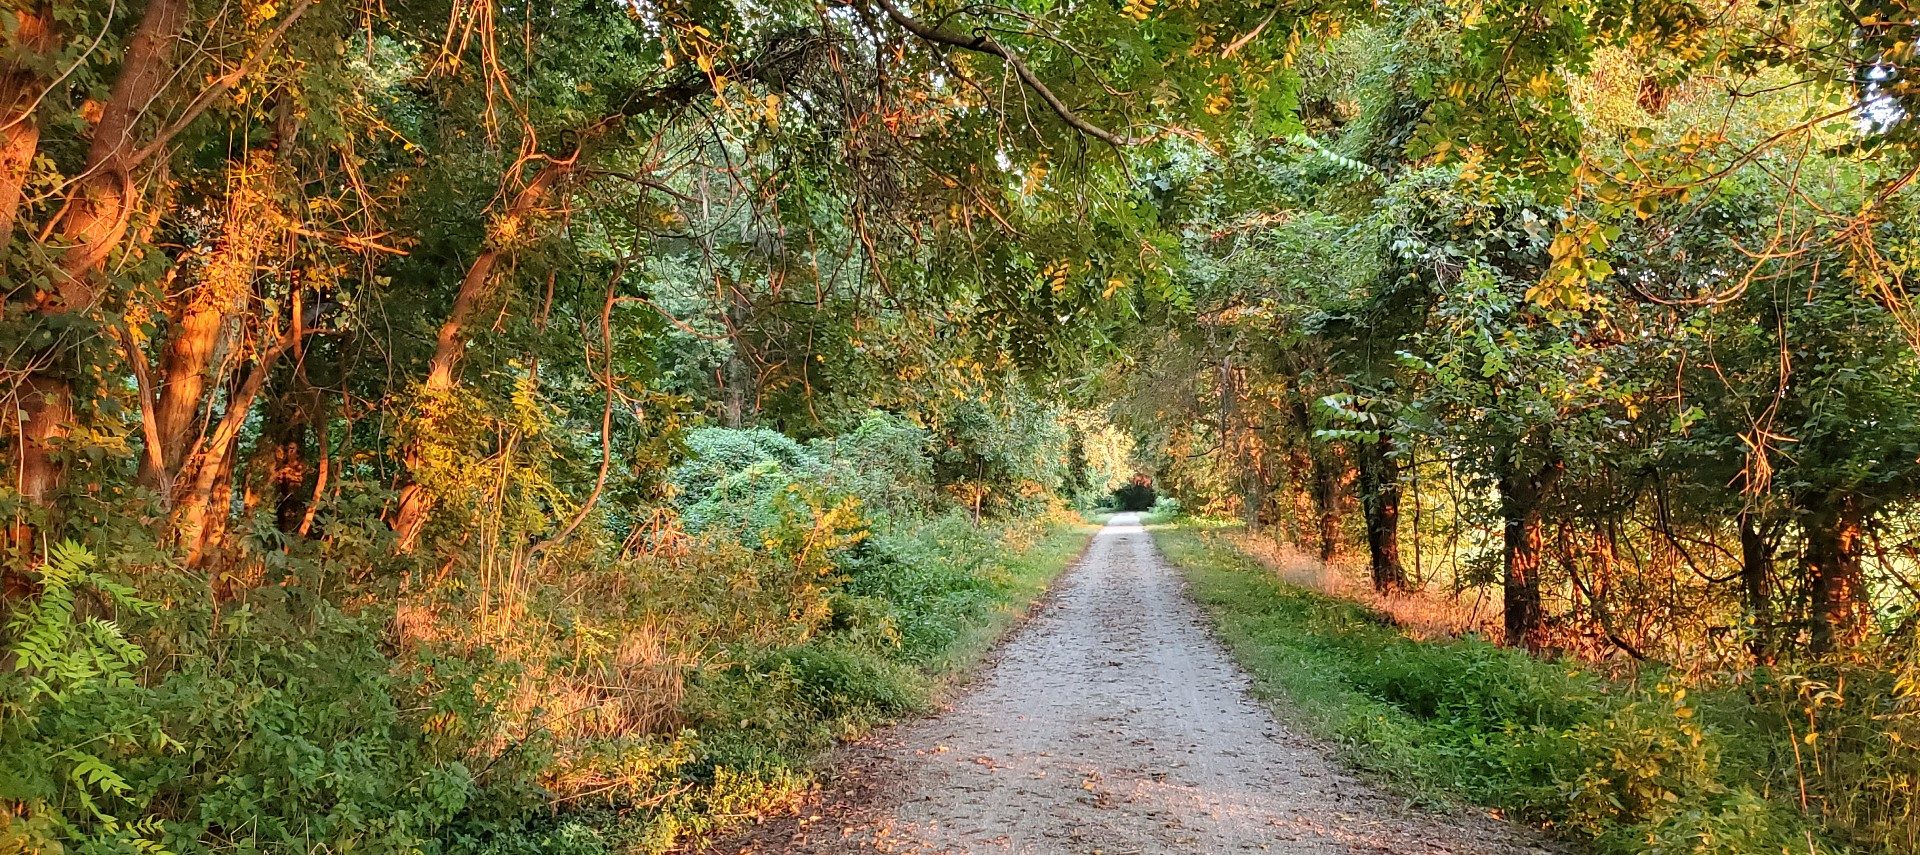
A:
(595, 702)
(354, 357)
(915, 609)
(1657, 761)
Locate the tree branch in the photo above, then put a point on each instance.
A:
(220, 85)
(980, 42)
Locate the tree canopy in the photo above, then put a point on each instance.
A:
(376, 313)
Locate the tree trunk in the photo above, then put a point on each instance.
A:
(1756, 583)
(1322, 488)
(1326, 505)
(1836, 581)
(450, 345)
(288, 474)
(92, 225)
(1254, 482)
(20, 88)
(182, 390)
(101, 205)
(199, 520)
(46, 415)
(1521, 493)
(1380, 498)
(202, 312)
(216, 517)
(738, 386)
(323, 470)
(734, 396)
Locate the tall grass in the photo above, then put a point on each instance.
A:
(1425, 613)
(1658, 761)
(766, 670)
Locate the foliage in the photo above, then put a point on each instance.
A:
(885, 463)
(1001, 452)
(509, 407)
(1634, 766)
(699, 693)
(73, 712)
(733, 479)
(283, 727)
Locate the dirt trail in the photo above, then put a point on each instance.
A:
(1111, 723)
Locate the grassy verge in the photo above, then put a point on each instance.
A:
(912, 611)
(1021, 577)
(1639, 766)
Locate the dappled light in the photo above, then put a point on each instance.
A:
(616, 426)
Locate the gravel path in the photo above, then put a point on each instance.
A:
(1111, 723)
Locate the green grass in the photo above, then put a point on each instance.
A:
(1020, 580)
(1622, 766)
(920, 609)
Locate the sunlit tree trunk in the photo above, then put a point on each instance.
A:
(415, 502)
(46, 416)
(201, 313)
(199, 520)
(101, 203)
(1380, 499)
(216, 505)
(1836, 580)
(92, 225)
(182, 389)
(20, 89)
(1523, 486)
(323, 471)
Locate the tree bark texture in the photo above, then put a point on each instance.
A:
(1380, 499)
(1836, 579)
(1523, 486)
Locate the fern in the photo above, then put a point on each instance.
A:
(70, 709)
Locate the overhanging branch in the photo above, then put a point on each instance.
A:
(980, 42)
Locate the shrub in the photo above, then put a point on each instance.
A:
(885, 463)
(933, 577)
(1669, 769)
(732, 477)
(283, 725)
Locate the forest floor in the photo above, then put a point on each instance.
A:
(1112, 723)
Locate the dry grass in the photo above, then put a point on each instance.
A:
(595, 676)
(1423, 614)
(631, 690)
